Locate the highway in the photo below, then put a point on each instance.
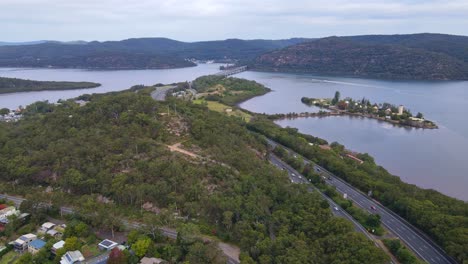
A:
(415, 239)
(295, 177)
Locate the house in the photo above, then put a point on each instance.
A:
(54, 233)
(57, 246)
(107, 244)
(6, 212)
(47, 226)
(36, 245)
(147, 260)
(72, 257)
(388, 111)
(23, 241)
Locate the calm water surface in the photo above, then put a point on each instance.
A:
(110, 80)
(434, 159)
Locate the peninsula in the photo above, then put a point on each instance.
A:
(397, 115)
(14, 85)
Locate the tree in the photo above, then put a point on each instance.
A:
(336, 99)
(116, 256)
(4, 111)
(419, 115)
(72, 243)
(141, 246)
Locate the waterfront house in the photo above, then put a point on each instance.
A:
(400, 110)
(36, 245)
(57, 246)
(388, 111)
(23, 241)
(72, 257)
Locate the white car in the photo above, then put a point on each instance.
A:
(336, 208)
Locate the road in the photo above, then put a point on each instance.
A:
(160, 93)
(415, 239)
(295, 177)
(167, 232)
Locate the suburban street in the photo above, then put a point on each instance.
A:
(418, 242)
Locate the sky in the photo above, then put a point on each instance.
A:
(194, 20)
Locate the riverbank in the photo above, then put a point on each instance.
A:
(14, 85)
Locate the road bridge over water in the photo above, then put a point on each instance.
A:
(231, 71)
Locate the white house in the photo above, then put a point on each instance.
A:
(57, 246)
(72, 257)
(6, 212)
(47, 226)
(23, 241)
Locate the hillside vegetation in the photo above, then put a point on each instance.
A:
(143, 53)
(443, 218)
(116, 147)
(13, 85)
(372, 56)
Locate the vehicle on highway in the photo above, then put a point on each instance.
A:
(336, 208)
(318, 170)
(292, 174)
(300, 177)
(373, 208)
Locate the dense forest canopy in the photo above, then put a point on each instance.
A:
(13, 85)
(116, 146)
(374, 57)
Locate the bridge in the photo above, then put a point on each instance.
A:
(232, 71)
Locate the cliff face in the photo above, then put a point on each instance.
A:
(340, 56)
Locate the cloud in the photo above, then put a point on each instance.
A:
(218, 19)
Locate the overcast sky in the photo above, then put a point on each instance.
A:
(192, 20)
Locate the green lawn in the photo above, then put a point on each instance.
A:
(9, 257)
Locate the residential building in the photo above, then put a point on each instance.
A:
(72, 257)
(107, 244)
(36, 245)
(47, 226)
(388, 111)
(54, 233)
(57, 246)
(23, 241)
(5, 212)
(401, 109)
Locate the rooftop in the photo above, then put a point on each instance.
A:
(38, 243)
(106, 243)
(59, 244)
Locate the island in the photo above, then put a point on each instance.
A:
(13, 85)
(397, 115)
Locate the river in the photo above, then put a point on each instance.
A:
(428, 158)
(109, 80)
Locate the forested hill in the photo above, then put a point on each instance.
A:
(13, 85)
(116, 146)
(389, 57)
(139, 53)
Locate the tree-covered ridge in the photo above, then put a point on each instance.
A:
(443, 218)
(116, 146)
(13, 85)
(229, 90)
(342, 56)
(141, 53)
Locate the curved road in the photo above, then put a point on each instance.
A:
(415, 239)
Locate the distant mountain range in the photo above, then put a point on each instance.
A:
(139, 53)
(415, 56)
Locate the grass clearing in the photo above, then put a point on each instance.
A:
(9, 257)
(221, 108)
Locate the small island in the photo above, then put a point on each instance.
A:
(387, 112)
(14, 85)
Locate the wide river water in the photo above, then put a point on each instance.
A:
(428, 158)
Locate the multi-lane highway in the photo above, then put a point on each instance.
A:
(296, 177)
(417, 241)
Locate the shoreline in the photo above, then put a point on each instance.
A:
(413, 124)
